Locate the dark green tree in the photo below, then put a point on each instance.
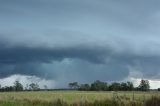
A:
(144, 85)
(18, 86)
(99, 86)
(130, 86)
(84, 87)
(9, 88)
(73, 85)
(34, 86)
(115, 86)
(126, 86)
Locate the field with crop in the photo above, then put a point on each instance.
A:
(76, 98)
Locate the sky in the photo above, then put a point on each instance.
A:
(55, 42)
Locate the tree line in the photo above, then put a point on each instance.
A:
(115, 86)
(95, 86)
(17, 86)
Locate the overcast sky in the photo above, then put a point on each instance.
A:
(79, 40)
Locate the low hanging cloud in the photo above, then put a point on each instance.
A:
(26, 81)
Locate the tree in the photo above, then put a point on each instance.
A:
(130, 86)
(127, 86)
(73, 85)
(18, 86)
(124, 86)
(8, 88)
(115, 86)
(144, 85)
(99, 86)
(34, 86)
(85, 87)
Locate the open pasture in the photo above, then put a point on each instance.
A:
(48, 98)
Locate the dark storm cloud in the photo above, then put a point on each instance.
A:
(11, 55)
(67, 40)
(29, 61)
(102, 63)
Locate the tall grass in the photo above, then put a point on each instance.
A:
(118, 101)
(84, 99)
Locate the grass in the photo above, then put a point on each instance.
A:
(77, 98)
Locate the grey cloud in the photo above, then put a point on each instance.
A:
(100, 38)
(100, 63)
(26, 54)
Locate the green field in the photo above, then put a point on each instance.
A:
(46, 98)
